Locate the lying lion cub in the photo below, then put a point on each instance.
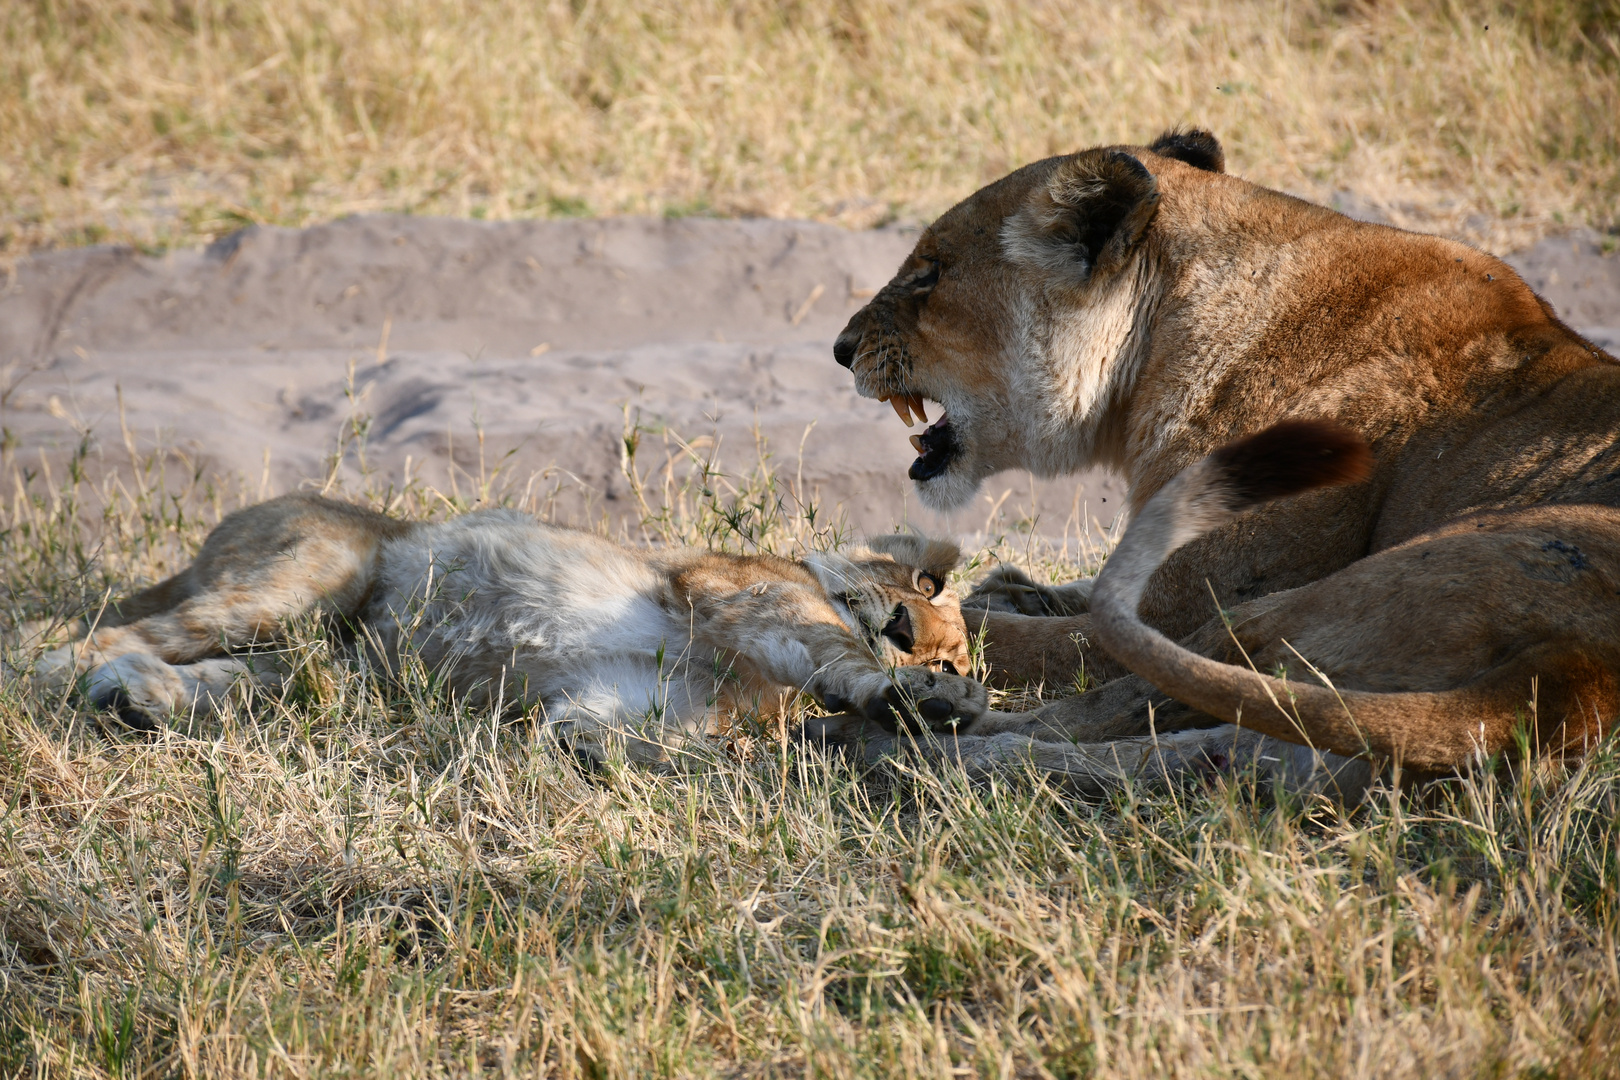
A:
(610, 642)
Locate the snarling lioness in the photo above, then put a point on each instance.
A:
(613, 644)
(1137, 308)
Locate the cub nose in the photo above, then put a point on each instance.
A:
(844, 348)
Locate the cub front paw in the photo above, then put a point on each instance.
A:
(919, 698)
(1009, 589)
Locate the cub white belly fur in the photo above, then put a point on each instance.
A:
(570, 620)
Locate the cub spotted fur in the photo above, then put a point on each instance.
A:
(1136, 307)
(610, 642)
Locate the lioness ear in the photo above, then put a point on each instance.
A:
(1086, 218)
(937, 557)
(1199, 149)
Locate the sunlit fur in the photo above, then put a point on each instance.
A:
(1134, 307)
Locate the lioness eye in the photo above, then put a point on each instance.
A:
(924, 279)
(928, 584)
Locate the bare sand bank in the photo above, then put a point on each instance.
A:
(544, 336)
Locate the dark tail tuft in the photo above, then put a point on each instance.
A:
(1290, 457)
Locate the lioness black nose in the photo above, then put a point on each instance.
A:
(844, 349)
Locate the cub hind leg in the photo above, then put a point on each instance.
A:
(260, 568)
(141, 689)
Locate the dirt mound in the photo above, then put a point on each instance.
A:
(250, 356)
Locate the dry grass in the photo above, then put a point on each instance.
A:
(169, 121)
(362, 880)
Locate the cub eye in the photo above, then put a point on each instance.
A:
(929, 585)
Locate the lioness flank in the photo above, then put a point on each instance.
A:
(612, 643)
(1138, 308)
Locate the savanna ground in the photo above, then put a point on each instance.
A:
(362, 879)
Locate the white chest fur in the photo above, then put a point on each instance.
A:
(504, 605)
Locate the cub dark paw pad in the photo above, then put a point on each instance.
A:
(128, 715)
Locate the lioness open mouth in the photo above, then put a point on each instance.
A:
(936, 446)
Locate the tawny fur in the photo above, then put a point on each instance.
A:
(1078, 316)
(613, 644)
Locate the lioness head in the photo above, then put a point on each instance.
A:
(1021, 312)
(894, 592)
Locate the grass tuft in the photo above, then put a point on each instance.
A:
(163, 123)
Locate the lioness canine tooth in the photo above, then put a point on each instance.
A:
(901, 410)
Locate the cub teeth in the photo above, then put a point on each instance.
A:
(905, 405)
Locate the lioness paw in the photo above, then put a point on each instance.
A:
(1009, 589)
(920, 698)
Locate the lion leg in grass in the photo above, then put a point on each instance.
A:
(614, 646)
(1096, 768)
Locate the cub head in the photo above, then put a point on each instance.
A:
(1022, 312)
(892, 592)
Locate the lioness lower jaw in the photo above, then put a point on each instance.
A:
(958, 454)
(935, 447)
(952, 488)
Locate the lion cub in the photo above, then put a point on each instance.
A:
(612, 643)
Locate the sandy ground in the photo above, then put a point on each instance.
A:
(539, 334)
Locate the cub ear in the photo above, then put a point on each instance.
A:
(1086, 218)
(1197, 148)
(937, 557)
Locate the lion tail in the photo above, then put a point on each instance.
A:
(1431, 731)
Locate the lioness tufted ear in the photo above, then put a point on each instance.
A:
(1197, 148)
(937, 557)
(1086, 218)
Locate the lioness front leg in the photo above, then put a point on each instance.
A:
(1034, 649)
(1008, 589)
(917, 698)
(1094, 769)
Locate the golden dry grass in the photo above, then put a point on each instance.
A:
(363, 880)
(169, 121)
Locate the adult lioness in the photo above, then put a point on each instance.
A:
(611, 642)
(1136, 307)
